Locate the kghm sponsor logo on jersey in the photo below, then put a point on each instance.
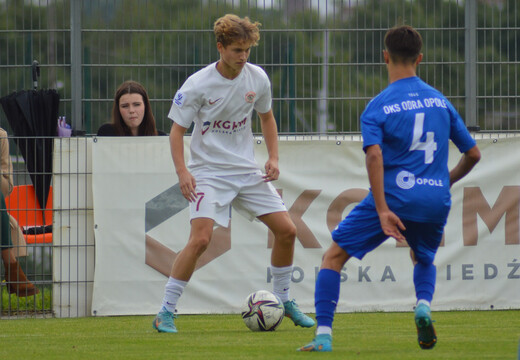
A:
(224, 126)
(406, 180)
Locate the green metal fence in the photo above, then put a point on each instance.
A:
(323, 56)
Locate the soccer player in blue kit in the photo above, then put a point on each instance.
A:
(406, 132)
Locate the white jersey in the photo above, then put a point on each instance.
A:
(222, 139)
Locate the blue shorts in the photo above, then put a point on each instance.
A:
(360, 232)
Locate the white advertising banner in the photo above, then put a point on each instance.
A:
(142, 222)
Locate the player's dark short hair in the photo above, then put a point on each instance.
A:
(403, 44)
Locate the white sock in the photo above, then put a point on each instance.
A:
(425, 302)
(281, 281)
(172, 292)
(324, 330)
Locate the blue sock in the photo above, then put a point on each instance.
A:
(424, 281)
(326, 296)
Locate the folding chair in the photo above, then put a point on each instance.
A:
(35, 222)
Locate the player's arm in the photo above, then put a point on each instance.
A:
(186, 180)
(270, 132)
(468, 160)
(390, 222)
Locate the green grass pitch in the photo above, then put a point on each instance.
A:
(462, 335)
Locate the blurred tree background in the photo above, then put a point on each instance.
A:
(323, 57)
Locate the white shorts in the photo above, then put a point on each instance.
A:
(247, 193)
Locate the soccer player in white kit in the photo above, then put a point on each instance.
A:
(222, 171)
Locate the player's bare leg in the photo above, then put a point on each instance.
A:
(182, 270)
(334, 258)
(200, 236)
(284, 232)
(282, 255)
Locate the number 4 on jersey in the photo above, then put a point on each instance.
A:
(429, 146)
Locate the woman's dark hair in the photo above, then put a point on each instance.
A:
(147, 127)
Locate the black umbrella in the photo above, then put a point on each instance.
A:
(33, 116)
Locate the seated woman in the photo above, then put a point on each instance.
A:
(7, 186)
(17, 282)
(10, 231)
(131, 113)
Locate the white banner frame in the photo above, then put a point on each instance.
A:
(478, 267)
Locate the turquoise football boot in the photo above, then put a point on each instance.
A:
(426, 335)
(321, 343)
(293, 312)
(163, 322)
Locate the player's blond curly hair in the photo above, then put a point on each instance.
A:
(231, 28)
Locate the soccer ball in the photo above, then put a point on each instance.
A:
(263, 311)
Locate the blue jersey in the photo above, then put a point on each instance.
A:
(412, 123)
